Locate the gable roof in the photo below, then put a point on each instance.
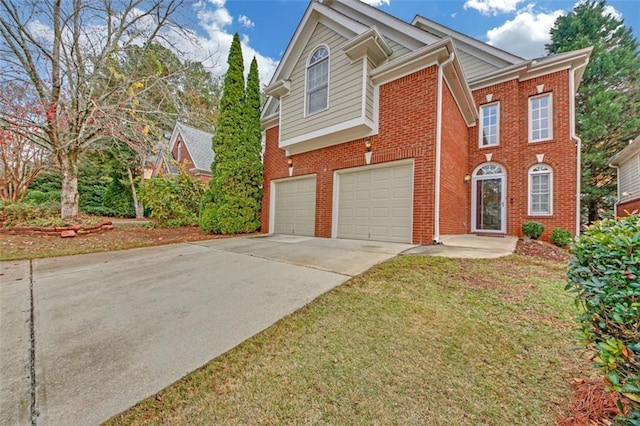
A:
(198, 144)
(628, 152)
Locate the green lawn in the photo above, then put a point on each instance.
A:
(416, 340)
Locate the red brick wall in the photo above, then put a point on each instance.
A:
(185, 159)
(406, 130)
(454, 192)
(628, 207)
(517, 155)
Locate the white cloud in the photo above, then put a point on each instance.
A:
(376, 3)
(526, 34)
(492, 7)
(245, 21)
(212, 46)
(610, 10)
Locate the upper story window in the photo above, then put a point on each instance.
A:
(540, 190)
(541, 118)
(318, 81)
(490, 124)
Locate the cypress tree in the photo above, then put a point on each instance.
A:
(253, 143)
(232, 204)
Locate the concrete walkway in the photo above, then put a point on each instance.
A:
(469, 247)
(83, 338)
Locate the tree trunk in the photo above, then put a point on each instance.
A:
(69, 194)
(593, 215)
(136, 204)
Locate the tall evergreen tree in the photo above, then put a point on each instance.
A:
(232, 204)
(253, 141)
(608, 100)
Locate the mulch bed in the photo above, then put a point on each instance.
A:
(592, 404)
(544, 250)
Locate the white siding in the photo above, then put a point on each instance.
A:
(398, 49)
(345, 89)
(473, 66)
(629, 175)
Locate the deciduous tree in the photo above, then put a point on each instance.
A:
(67, 54)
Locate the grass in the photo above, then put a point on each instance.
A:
(416, 340)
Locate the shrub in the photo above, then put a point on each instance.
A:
(118, 200)
(207, 219)
(604, 276)
(532, 229)
(561, 237)
(23, 213)
(173, 200)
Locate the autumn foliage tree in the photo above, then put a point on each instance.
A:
(66, 54)
(20, 158)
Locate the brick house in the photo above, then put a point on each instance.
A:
(627, 163)
(379, 129)
(192, 147)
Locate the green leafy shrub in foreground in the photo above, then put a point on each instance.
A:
(561, 237)
(604, 276)
(173, 201)
(532, 229)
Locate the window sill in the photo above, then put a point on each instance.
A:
(541, 141)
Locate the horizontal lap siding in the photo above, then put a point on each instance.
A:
(629, 177)
(345, 88)
(407, 130)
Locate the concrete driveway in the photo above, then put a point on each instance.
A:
(83, 338)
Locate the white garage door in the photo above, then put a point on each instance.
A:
(376, 204)
(295, 207)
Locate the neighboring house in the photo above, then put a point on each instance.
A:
(627, 162)
(378, 129)
(193, 148)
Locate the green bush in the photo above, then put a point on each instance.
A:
(532, 229)
(207, 220)
(604, 276)
(561, 237)
(118, 200)
(173, 200)
(25, 213)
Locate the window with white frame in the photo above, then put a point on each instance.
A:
(540, 118)
(490, 124)
(540, 190)
(318, 81)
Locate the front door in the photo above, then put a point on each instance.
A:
(488, 197)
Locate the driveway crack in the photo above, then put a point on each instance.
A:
(32, 350)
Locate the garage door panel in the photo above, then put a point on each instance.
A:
(376, 204)
(295, 207)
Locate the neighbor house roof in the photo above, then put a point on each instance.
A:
(629, 151)
(198, 144)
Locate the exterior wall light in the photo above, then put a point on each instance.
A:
(467, 178)
(368, 153)
(290, 163)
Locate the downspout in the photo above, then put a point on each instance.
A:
(618, 195)
(577, 140)
(436, 205)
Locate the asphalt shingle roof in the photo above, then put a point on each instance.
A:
(198, 143)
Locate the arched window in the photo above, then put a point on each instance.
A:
(540, 190)
(489, 169)
(318, 80)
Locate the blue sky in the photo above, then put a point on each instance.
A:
(266, 26)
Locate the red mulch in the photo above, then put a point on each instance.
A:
(592, 404)
(542, 250)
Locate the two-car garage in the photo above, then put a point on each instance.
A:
(369, 203)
